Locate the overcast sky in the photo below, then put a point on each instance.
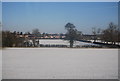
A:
(51, 17)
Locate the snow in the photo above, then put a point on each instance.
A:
(53, 42)
(60, 63)
(117, 43)
(62, 42)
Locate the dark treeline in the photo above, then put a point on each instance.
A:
(20, 39)
(10, 39)
(110, 35)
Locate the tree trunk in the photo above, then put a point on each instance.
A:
(71, 43)
(33, 42)
(114, 43)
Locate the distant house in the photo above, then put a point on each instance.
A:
(88, 37)
(48, 36)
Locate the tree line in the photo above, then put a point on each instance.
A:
(110, 34)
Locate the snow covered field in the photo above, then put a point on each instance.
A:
(61, 42)
(60, 63)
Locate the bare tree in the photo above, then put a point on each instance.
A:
(111, 34)
(94, 33)
(97, 33)
(36, 33)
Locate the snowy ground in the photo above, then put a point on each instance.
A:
(117, 43)
(62, 42)
(60, 63)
